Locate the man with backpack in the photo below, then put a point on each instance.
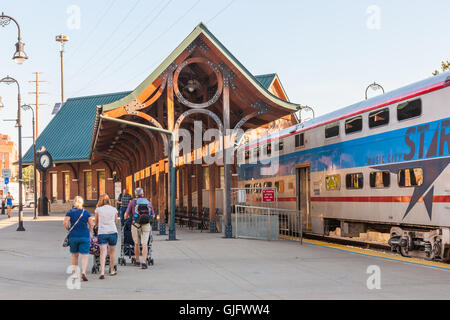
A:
(140, 211)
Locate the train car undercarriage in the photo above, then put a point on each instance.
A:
(429, 244)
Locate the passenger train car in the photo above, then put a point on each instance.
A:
(381, 164)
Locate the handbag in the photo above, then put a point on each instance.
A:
(66, 239)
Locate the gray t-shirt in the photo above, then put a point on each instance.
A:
(106, 219)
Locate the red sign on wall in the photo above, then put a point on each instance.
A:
(268, 196)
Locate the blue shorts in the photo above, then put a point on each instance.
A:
(79, 245)
(110, 239)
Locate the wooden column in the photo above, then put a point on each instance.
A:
(199, 176)
(212, 198)
(227, 178)
(189, 187)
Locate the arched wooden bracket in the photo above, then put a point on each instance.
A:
(261, 107)
(228, 76)
(169, 74)
(188, 103)
(192, 111)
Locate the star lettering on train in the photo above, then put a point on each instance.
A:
(431, 171)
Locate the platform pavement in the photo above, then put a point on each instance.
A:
(207, 266)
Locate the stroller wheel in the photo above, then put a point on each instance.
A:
(94, 270)
(133, 260)
(115, 267)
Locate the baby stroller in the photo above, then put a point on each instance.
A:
(95, 251)
(127, 245)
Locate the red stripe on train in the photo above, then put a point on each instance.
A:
(376, 199)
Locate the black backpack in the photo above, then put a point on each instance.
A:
(142, 211)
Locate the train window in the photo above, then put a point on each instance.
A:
(269, 148)
(333, 182)
(279, 185)
(409, 109)
(379, 118)
(380, 179)
(332, 130)
(268, 184)
(354, 181)
(300, 140)
(257, 152)
(280, 145)
(410, 177)
(290, 185)
(353, 125)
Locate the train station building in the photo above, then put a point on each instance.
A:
(198, 87)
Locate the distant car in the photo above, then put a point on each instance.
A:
(29, 203)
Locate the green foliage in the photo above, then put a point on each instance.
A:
(28, 177)
(445, 66)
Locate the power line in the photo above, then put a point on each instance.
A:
(89, 61)
(221, 11)
(93, 30)
(152, 42)
(121, 52)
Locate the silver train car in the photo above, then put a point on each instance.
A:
(380, 165)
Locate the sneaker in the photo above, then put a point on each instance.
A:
(144, 266)
(137, 263)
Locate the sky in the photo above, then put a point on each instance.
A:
(325, 52)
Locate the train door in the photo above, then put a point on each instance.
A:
(304, 195)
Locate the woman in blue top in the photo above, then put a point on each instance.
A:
(79, 223)
(9, 203)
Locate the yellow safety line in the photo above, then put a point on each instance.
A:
(372, 253)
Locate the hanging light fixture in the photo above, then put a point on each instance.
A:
(20, 56)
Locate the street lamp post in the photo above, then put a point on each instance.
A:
(28, 107)
(375, 86)
(19, 56)
(9, 80)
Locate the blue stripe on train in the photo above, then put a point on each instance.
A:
(424, 141)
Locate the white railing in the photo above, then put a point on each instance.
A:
(267, 223)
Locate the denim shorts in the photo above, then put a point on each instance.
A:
(110, 239)
(79, 245)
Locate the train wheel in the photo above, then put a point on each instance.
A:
(404, 252)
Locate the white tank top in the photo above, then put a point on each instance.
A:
(106, 219)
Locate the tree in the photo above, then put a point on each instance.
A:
(28, 177)
(445, 66)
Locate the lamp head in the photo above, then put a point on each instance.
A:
(20, 56)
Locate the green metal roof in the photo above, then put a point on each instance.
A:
(68, 135)
(266, 79)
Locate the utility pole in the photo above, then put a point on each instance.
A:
(37, 104)
(37, 176)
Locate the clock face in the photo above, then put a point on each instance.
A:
(45, 161)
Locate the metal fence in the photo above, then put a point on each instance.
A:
(267, 223)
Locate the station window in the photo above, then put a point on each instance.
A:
(248, 188)
(353, 125)
(410, 177)
(380, 179)
(332, 130)
(279, 185)
(379, 118)
(333, 182)
(268, 184)
(354, 181)
(299, 140)
(257, 187)
(410, 109)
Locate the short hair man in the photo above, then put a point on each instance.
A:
(140, 232)
(123, 200)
